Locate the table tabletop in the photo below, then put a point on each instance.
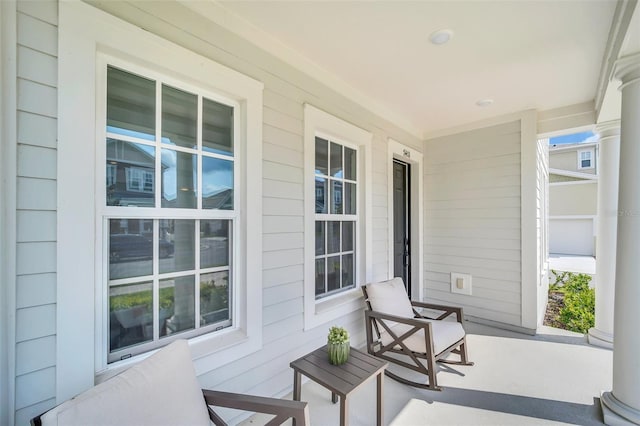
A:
(340, 379)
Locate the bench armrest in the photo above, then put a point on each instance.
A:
(282, 409)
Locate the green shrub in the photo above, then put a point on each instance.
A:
(578, 313)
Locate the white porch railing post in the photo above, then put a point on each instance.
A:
(609, 163)
(622, 404)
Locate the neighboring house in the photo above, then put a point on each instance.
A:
(573, 191)
(259, 194)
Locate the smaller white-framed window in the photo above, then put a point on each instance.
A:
(138, 180)
(337, 216)
(112, 169)
(586, 159)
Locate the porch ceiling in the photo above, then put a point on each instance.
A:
(520, 54)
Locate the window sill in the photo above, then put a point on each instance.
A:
(207, 351)
(323, 311)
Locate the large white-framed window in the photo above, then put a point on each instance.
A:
(169, 247)
(337, 216)
(586, 159)
(192, 256)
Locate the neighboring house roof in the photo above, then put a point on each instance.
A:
(572, 146)
(571, 174)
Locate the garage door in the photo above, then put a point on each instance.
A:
(571, 236)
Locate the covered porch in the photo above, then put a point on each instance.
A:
(306, 109)
(550, 378)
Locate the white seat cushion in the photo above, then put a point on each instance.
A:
(161, 390)
(445, 334)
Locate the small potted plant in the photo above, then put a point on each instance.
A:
(338, 345)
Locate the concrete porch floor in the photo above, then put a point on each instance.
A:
(552, 378)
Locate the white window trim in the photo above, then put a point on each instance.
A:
(317, 122)
(592, 165)
(84, 32)
(396, 150)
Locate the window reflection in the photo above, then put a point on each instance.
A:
(130, 315)
(179, 179)
(214, 243)
(130, 172)
(333, 273)
(320, 276)
(130, 248)
(179, 117)
(177, 305)
(217, 183)
(322, 156)
(321, 195)
(217, 127)
(177, 242)
(214, 298)
(131, 104)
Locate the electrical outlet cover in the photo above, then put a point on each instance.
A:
(466, 280)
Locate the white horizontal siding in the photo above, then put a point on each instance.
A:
(284, 275)
(36, 226)
(24, 415)
(287, 190)
(276, 224)
(286, 91)
(37, 66)
(35, 354)
(274, 242)
(37, 72)
(37, 34)
(35, 387)
(37, 130)
(36, 162)
(473, 220)
(37, 98)
(35, 322)
(36, 194)
(281, 207)
(35, 290)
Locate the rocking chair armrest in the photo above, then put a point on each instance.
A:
(448, 310)
(416, 322)
(283, 409)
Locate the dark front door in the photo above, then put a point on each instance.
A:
(401, 223)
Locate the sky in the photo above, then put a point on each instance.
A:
(573, 138)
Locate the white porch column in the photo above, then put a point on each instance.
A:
(622, 404)
(609, 161)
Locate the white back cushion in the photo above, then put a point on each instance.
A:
(390, 297)
(161, 390)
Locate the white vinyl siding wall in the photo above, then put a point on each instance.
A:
(473, 220)
(542, 225)
(267, 371)
(35, 349)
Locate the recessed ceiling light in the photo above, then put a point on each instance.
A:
(441, 37)
(484, 102)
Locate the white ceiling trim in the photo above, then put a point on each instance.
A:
(493, 121)
(557, 121)
(229, 20)
(619, 28)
